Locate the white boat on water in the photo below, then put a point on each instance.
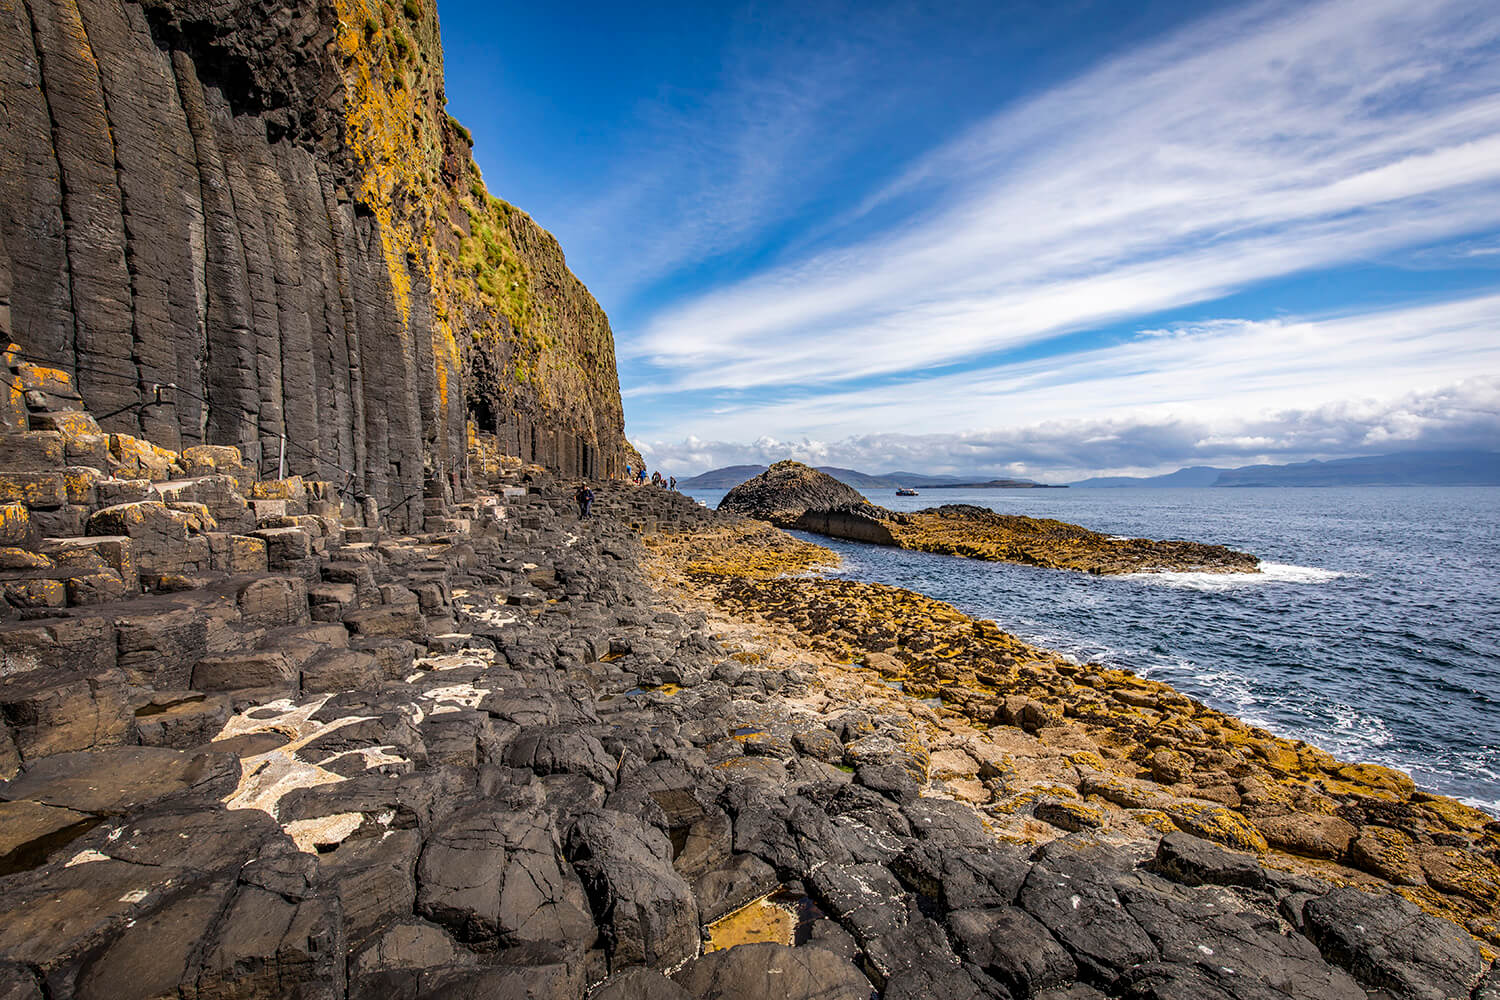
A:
(907, 491)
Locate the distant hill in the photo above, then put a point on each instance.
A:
(994, 484)
(1407, 468)
(1410, 468)
(731, 476)
(1197, 475)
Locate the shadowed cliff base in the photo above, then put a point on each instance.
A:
(792, 495)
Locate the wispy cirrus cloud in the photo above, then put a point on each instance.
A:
(1204, 369)
(1277, 139)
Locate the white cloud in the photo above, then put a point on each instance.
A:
(1272, 140)
(1204, 371)
(1462, 415)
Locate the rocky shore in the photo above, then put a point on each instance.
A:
(524, 754)
(792, 495)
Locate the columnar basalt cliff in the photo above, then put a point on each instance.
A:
(241, 222)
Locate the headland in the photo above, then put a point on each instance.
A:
(792, 495)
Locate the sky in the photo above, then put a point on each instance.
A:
(1047, 239)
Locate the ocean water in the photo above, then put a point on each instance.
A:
(1373, 630)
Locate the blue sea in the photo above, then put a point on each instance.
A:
(1373, 630)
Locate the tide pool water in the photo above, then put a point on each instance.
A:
(1373, 630)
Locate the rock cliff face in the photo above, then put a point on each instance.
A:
(234, 221)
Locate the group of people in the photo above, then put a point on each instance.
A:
(638, 476)
(584, 497)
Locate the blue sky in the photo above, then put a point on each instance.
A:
(1046, 239)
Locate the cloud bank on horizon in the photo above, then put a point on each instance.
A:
(1267, 233)
(1463, 416)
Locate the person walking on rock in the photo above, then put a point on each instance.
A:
(585, 500)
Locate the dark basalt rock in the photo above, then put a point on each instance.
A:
(179, 187)
(17, 983)
(1389, 944)
(398, 952)
(774, 972)
(1194, 861)
(961, 879)
(743, 878)
(1209, 939)
(1012, 947)
(640, 984)
(515, 817)
(562, 751)
(963, 983)
(492, 876)
(920, 947)
(139, 777)
(791, 834)
(646, 911)
(374, 878)
(787, 490)
(865, 898)
(1070, 890)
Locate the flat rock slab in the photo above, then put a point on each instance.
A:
(1013, 948)
(112, 782)
(640, 984)
(31, 832)
(1387, 943)
(1071, 892)
(773, 972)
(1210, 945)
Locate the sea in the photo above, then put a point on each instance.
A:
(1373, 630)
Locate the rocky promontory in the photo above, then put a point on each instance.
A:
(792, 495)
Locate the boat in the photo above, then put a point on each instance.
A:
(907, 491)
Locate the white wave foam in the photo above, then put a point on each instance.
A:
(1269, 573)
(1287, 573)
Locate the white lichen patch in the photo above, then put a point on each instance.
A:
(266, 778)
(372, 756)
(453, 661)
(453, 698)
(496, 617)
(325, 831)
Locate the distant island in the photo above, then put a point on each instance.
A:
(731, 476)
(1407, 468)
